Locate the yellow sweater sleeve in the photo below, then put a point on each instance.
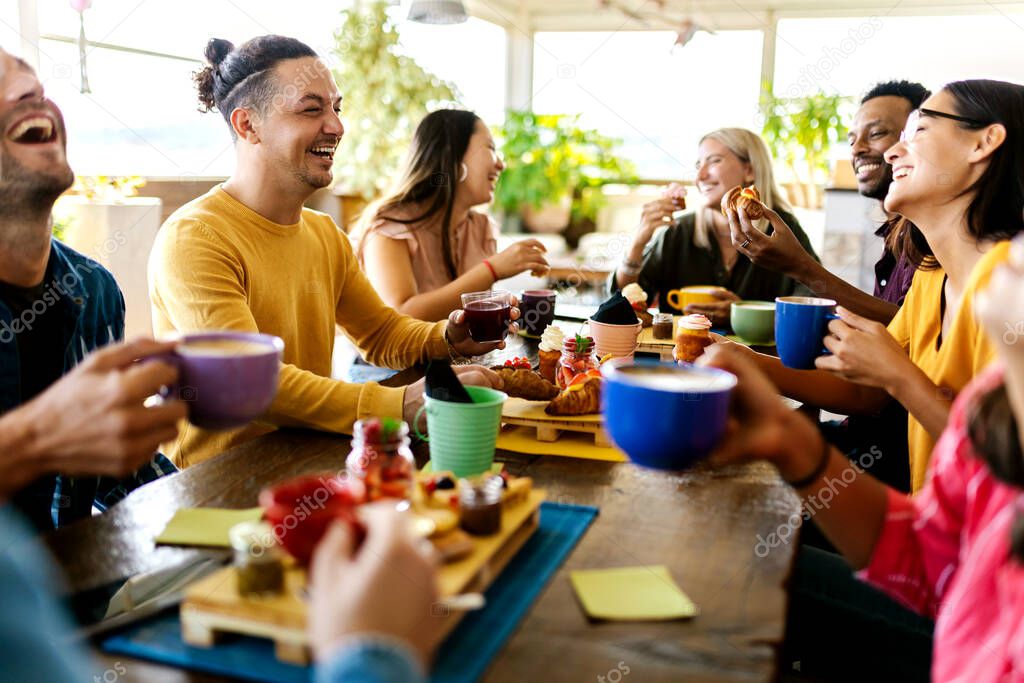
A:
(198, 282)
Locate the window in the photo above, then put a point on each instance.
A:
(848, 55)
(473, 59)
(141, 117)
(630, 85)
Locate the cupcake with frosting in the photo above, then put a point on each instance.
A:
(637, 298)
(693, 335)
(550, 351)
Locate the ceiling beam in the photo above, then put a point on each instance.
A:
(586, 15)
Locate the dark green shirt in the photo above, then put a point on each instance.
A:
(672, 260)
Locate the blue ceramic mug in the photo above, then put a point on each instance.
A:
(801, 323)
(664, 415)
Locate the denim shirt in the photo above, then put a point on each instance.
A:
(93, 316)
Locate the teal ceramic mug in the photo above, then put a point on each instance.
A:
(462, 436)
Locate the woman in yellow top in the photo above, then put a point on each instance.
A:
(956, 176)
(423, 245)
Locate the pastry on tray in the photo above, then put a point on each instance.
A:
(693, 335)
(527, 384)
(747, 198)
(581, 397)
(441, 489)
(637, 298)
(550, 352)
(522, 382)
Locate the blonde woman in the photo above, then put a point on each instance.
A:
(697, 248)
(423, 245)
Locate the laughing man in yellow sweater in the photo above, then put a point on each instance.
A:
(248, 256)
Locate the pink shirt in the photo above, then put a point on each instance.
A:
(945, 553)
(473, 240)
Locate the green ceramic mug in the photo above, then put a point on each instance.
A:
(462, 436)
(753, 321)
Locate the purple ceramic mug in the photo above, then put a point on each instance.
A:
(227, 378)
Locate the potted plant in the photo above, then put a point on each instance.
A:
(555, 170)
(799, 132)
(386, 95)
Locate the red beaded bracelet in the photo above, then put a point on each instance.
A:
(494, 273)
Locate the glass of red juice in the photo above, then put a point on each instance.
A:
(537, 309)
(488, 314)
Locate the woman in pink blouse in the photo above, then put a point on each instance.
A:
(423, 245)
(955, 551)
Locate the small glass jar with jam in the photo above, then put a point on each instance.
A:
(577, 357)
(480, 505)
(662, 326)
(382, 459)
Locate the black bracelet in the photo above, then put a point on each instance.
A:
(819, 469)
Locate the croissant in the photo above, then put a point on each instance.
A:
(523, 383)
(747, 197)
(577, 401)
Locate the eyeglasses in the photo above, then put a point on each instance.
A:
(910, 130)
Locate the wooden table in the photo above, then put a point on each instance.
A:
(704, 525)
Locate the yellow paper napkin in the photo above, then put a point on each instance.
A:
(631, 594)
(568, 444)
(205, 526)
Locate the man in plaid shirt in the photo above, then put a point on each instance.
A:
(76, 434)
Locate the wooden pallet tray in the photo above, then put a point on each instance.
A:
(525, 413)
(212, 607)
(648, 344)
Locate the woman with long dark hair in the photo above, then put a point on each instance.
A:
(957, 178)
(423, 245)
(954, 552)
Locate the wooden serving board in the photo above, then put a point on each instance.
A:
(518, 411)
(648, 344)
(212, 606)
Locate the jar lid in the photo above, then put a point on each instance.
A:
(381, 430)
(485, 490)
(248, 536)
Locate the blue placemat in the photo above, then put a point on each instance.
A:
(464, 656)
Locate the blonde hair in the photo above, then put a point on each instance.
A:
(750, 149)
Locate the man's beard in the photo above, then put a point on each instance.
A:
(312, 180)
(27, 193)
(881, 188)
(26, 200)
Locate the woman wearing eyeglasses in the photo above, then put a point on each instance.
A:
(957, 178)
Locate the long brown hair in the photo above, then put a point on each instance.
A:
(429, 176)
(996, 211)
(993, 431)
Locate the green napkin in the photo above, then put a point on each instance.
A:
(205, 526)
(631, 594)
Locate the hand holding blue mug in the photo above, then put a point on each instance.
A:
(801, 323)
(864, 352)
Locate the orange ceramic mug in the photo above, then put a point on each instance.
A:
(698, 294)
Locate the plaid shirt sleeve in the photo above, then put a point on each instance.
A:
(110, 491)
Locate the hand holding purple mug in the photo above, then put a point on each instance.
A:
(227, 379)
